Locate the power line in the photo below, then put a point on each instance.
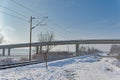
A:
(29, 9)
(26, 20)
(12, 15)
(50, 28)
(40, 22)
(60, 26)
(13, 11)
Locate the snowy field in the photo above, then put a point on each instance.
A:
(88, 67)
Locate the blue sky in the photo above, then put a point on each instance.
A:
(68, 19)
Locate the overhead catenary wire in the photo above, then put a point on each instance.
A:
(25, 7)
(40, 22)
(12, 15)
(31, 10)
(14, 11)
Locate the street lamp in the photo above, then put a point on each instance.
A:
(31, 32)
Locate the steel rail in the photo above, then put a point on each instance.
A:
(6, 66)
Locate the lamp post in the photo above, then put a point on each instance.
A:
(32, 27)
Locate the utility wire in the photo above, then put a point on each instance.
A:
(12, 15)
(53, 29)
(40, 22)
(13, 11)
(60, 26)
(27, 8)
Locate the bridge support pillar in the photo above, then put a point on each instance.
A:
(77, 49)
(8, 51)
(40, 49)
(37, 49)
(3, 51)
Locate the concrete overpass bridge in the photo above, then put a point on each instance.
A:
(65, 42)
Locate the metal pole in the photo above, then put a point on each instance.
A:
(31, 33)
(30, 38)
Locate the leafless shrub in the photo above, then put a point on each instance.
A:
(115, 50)
(23, 59)
(6, 61)
(37, 56)
(118, 57)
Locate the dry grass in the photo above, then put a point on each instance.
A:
(6, 61)
(23, 59)
(37, 56)
(118, 57)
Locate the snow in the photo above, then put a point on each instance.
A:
(116, 62)
(11, 59)
(89, 67)
(103, 54)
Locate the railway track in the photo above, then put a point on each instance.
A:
(6, 66)
(20, 64)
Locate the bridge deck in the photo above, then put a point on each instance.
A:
(100, 41)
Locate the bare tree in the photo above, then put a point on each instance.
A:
(46, 37)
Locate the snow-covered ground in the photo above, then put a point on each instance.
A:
(88, 67)
(12, 59)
